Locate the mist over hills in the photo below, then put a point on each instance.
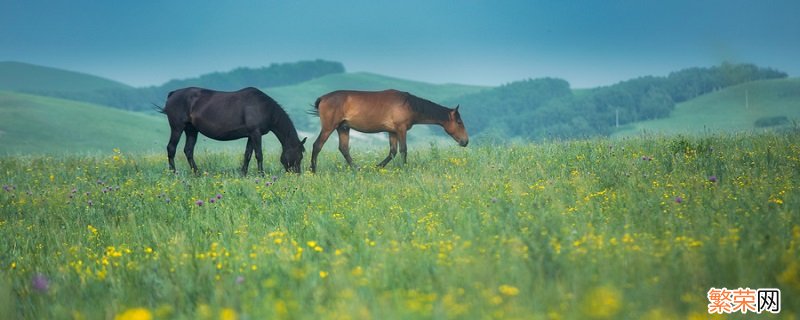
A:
(530, 109)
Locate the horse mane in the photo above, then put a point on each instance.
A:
(282, 123)
(427, 108)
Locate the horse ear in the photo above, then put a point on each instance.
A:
(303, 141)
(458, 105)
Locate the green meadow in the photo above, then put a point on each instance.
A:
(634, 228)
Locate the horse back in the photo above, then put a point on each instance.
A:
(222, 115)
(366, 111)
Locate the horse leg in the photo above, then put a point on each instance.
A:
(344, 144)
(174, 138)
(248, 153)
(323, 136)
(188, 149)
(401, 136)
(256, 138)
(392, 149)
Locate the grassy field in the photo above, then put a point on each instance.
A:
(639, 228)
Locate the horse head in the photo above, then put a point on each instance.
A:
(291, 157)
(454, 126)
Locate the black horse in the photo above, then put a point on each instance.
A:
(227, 116)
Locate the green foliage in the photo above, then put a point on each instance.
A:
(505, 107)
(581, 229)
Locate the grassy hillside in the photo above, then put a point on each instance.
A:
(35, 124)
(640, 228)
(733, 109)
(23, 77)
(43, 125)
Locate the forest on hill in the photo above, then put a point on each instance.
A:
(548, 108)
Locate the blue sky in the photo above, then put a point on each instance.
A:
(588, 43)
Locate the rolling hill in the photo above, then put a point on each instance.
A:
(733, 109)
(35, 124)
(24, 77)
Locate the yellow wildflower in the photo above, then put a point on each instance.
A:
(228, 314)
(135, 314)
(508, 290)
(602, 302)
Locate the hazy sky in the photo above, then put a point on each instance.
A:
(588, 43)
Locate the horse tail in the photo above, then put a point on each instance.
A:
(158, 108)
(315, 111)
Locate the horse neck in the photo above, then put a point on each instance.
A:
(285, 132)
(427, 112)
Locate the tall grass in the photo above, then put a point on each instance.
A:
(637, 228)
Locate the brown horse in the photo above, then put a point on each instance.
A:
(247, 113)
(389, 111)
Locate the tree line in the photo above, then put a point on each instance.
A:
(549, 108)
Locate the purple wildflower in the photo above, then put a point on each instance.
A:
(212, 200)
(239, 280)
(712, 178)
(199, 203)
(494, 199)
(219, 196)
(90, 203)
(678, 199)
(167, 200)
(274, 178)
(269, 183)
(40, 283)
